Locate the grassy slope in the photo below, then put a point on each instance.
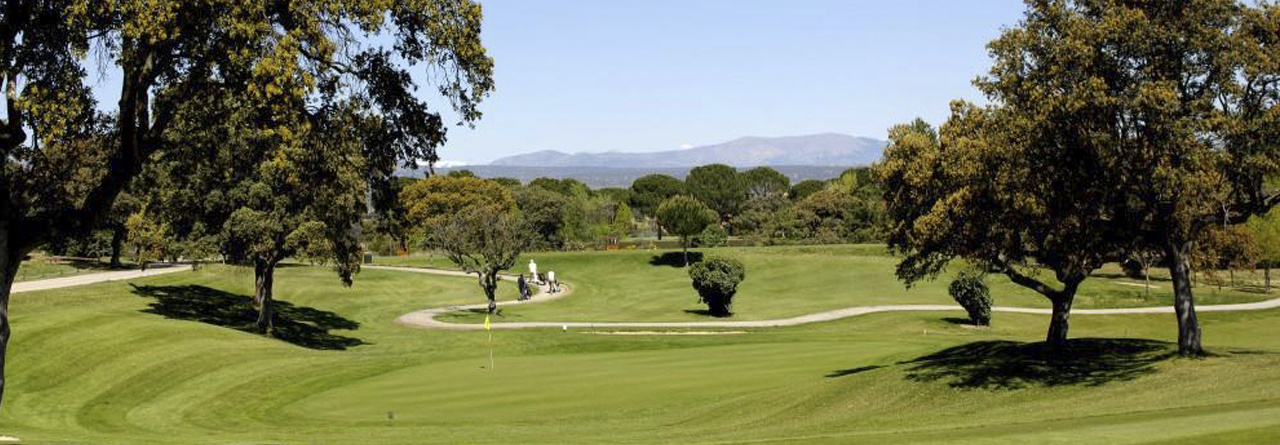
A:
(781, 282)
(88, 365)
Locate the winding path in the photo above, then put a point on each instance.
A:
(91, 278)
(427, 318)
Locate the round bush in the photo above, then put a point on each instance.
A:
(713, 236)
(970, 290)
(716, 280)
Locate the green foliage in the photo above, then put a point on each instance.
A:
(1232, 248)
(461, 174)
(149, 239)
(764, 181)
(1266, 233)
(507, 182)
(567, 187)
(618, 195)
(1003, 198)
(648, 192)
(718, 186)
(1156, 106)
(483, 240)
(545, 212)
(623, 220)
(439, 197)
(803, 189)
(713, 236)
(685, 216)
(761, 216)
(969, 289)
(716, 279)
(833, 216)
(848, 181)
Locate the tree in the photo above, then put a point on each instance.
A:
(623, 220)
(463, 173)
(1232, 248)
(718, 186)
(713, 236)
(759, 215)
(506, 182)
(439, 197)
(568, 187)
(618, 195)
(993, 188)
(1142, 256)
(805, 188)
(650, 191)
(150, 240)
(685, 216)
(834, 216)
(166, 52)
(544, 212)
(1266, 230)
(124, 206)
(483, 240)
(716, 279)
(848, 181)
(1170, 103)
(764, 181)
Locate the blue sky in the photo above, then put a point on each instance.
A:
(613, 75)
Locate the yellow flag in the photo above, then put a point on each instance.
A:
(486, 322)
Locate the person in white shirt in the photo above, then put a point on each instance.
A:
(551, 282)
(533, 269)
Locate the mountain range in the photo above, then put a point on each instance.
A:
(826, 149)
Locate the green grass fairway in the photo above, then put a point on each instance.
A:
(784, 282)
(163, 360)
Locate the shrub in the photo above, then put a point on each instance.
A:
(970, 290)
(716, 280)
(713, 236)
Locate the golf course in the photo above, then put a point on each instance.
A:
(172, 359)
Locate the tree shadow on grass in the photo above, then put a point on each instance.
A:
(674, 259)
(707, 313)
(852, 371)
(1012, 365)
(302, 326)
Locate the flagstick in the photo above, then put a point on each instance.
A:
(490, 350)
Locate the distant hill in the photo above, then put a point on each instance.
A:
(827, 149)
(600, 177)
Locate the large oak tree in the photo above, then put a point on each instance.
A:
(1004, 192)
(1171, 102)
(167, 52)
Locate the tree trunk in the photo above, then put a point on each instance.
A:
(684, 248)
(489, 282)
(263, 279)
(117, 243)
(1059, 321)
(1146, 277)
(1266, 277)
(10, 260)
(1183, 301)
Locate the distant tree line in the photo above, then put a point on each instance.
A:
(758, 206)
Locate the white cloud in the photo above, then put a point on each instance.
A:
(686, 146)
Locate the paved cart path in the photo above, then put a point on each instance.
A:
(427, 318)
(91, 278)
